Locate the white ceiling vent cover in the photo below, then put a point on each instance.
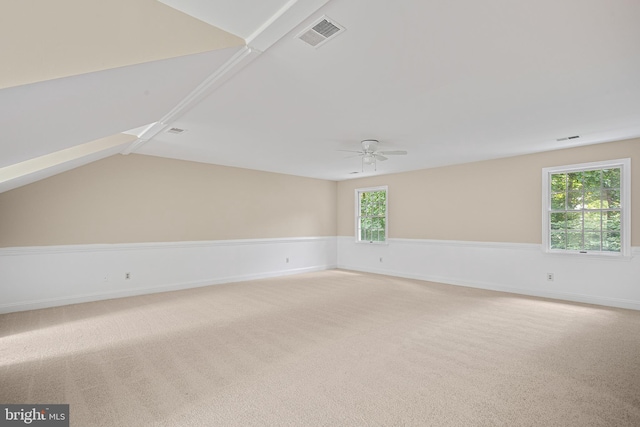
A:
(321, 32)
(175, 130)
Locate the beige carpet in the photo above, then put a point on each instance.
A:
(334, 348)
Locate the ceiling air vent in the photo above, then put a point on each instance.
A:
(566, 138)
(320, 32)
(175, 130)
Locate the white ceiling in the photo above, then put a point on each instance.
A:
(448, 81)
(239, 17)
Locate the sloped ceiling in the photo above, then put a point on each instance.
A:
(77, 71)
(48, 116)
(240, 17)
(26, 172)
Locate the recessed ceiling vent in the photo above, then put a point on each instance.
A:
(566, 138)
(175, 130)
(321, 32)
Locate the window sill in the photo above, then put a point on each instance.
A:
(366, 242)
(591, 255)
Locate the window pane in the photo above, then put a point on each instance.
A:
(375, 207)
(592, 199)
(574, 181)
(558, 183)
(574, 200)
(611, 199)
(592, 241)
(372, 211)
(574, 240)
(611, 242)
(587, 207)
(591, 180)
(557, 202)
(611, 178)
(558, 240)
(558, 220)
(574, 220)
(383, 200)
(611, 220)
(592, 221)
(377, 226)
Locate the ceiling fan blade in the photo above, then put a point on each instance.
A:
(351, 151)
(351, 157)
(381, 158)
(393, 153)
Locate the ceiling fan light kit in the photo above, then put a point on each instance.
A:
(370, 154)
(369, 145)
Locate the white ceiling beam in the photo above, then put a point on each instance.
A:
(33, 170)
(243, 57)
(289, 16)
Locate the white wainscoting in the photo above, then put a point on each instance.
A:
(508, 267)
(38, 277)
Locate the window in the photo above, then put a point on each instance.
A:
(586, 208)
(371, 215)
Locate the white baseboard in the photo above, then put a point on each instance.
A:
(505, 267)
(41, 277)
(587, 299)
(54, 302)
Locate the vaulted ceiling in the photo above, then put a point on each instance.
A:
(447, 81)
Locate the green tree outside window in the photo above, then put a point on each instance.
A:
(372, 215)
(585, 210)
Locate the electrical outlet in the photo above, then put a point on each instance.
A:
(549, 277)
(127, 276)
(287, 260)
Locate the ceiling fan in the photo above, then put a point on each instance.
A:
(370, 154)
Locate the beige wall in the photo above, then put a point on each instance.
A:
(491, 201)
(135, 198)
(45, 40)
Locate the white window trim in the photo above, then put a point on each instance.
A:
(386, 215)
(625, 193)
